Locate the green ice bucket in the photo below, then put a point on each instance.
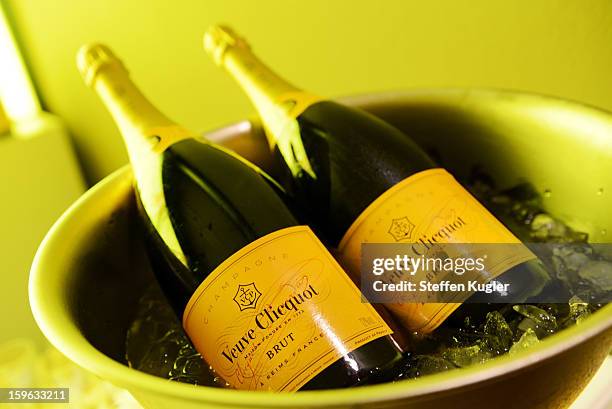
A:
(91, 269)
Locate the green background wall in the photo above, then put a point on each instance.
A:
(333, 47)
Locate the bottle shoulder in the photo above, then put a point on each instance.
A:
(237, 182)
(364, 136)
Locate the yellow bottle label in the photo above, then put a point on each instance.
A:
(426, 208)
(278, 312)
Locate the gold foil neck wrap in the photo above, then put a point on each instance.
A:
(92, 58)
(218, 39)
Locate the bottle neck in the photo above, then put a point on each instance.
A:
(262, 85)
(142, 125)
(271, 94)
(277, 102)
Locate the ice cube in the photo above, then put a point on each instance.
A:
(578, 311)
(466, 356)
(543, 227)
(541, 318)
(598, 274)
(527, 340)
(420, 365)
(157, 344)
(498, 335)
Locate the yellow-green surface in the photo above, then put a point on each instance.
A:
(39, 179)
(334, 48)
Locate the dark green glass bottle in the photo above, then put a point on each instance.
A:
(361, 180)
(212, 221)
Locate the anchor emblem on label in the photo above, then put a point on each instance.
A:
(247, 296)
(401, 229)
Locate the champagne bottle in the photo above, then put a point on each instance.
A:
(363, 180)
(261, 298)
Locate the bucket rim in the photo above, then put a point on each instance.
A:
(55, 320)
